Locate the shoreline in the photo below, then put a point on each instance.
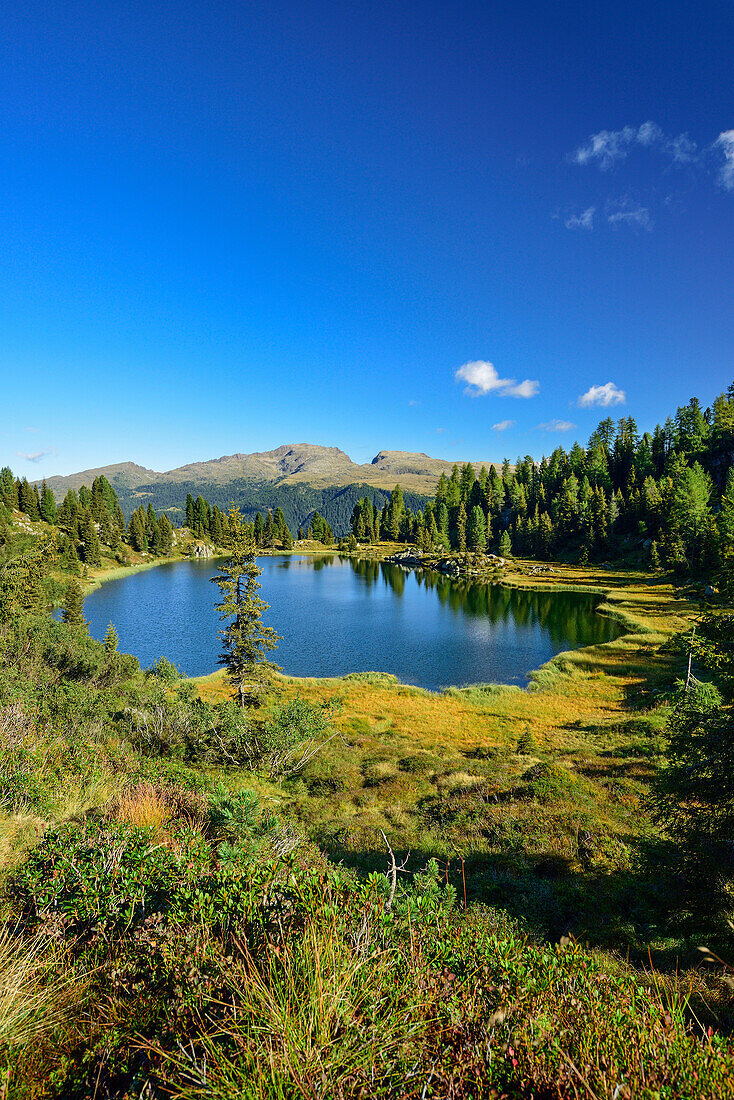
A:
(616, 602)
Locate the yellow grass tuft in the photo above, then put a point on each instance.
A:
(144, 806)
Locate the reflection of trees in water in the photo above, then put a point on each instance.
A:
(568, 618)
(322, 560)
(368, 570)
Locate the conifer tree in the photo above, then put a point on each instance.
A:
(476, 530)
(216, 526)
(48, 505)
(166, 534)
(461, 528)
(73, 607)
(279, 523)
(136, 531)
(245, 640)
(505, 545)
(269, 530)
(110, 640)
(654, 557)
(27, 500)
(8, 491)
(91, 551)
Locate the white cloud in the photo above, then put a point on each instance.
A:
(482, 378)
(608, 147)
(412, 403)
(649, 134)
(522, 389)
(37, 456)
(581, 221)
(639, 216)
(556, 426)
(503, 425)
(724, 145)
(682, 149)
(605, 395)
(440, 431)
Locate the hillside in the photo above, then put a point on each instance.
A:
(290, 464)
(300, 479)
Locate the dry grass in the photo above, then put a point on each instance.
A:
(145, 806)
(36, 991)
(18, 832)
(313, 1019)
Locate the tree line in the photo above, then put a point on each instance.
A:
(669, 494)
(267, 531)
(298, 502)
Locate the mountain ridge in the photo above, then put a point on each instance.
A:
(289, 464)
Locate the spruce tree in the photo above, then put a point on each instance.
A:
(73, 607)
(91, 551)
(654, 557)
(476, 531)
(269, 530)
(8, 491)
(48, 505)
(245, 640)
(27, 500)
(505, 545)
(165, 532)
(461, 529)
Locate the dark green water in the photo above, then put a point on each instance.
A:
(339, 615)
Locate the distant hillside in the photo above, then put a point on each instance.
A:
(301, 463)
(300, 479)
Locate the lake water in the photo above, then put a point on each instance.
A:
(340, 615)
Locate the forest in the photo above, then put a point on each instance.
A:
(666, 497)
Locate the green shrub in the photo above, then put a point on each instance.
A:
(549, 783)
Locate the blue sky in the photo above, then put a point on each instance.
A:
(446, 227)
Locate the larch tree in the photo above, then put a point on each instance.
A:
(246, 641)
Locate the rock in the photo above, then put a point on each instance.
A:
(449, 566)
(410, 559)
(710, 591)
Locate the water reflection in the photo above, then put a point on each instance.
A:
(338, 615)
(567, 617)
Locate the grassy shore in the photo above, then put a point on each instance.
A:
(538, 791)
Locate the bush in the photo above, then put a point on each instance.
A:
(549, 783)
(164, 670)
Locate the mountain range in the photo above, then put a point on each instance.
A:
(301, 463)
(299, 478)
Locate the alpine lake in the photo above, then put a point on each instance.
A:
(339, 615)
